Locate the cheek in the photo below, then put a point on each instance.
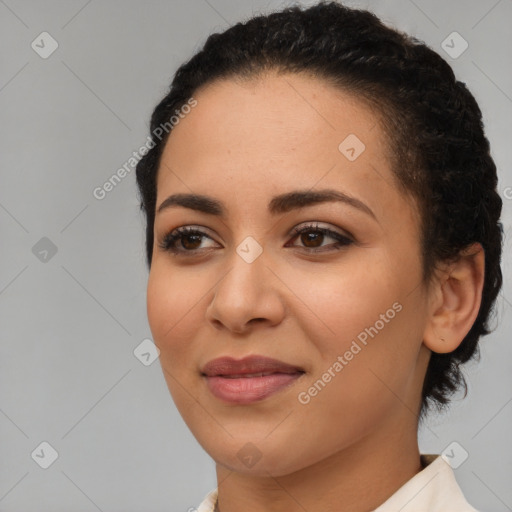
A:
(173, 307)
(345, 299)
(172, 310)
(367, 314)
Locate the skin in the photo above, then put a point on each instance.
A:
(243, 144)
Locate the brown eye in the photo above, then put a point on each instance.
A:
(312, 238)
(191, 241)
(185, 240)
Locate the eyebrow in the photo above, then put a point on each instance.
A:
(282, 203)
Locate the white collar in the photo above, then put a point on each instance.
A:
(434, 489)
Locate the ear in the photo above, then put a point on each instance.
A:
(455, 301)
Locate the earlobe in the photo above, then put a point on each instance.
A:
(458, 294)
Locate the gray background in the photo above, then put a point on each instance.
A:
(71, 320)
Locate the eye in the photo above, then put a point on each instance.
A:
(188, 240)
(313, 235)
(183, 240)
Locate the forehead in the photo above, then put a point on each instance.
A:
(270, 134)
(276, 112)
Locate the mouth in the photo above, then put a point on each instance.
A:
(248, 380)
(246, 375)
(251, 366)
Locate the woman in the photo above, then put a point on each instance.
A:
(324, 247)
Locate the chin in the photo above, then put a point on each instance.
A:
(258, 458)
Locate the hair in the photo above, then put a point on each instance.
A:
(436, 144)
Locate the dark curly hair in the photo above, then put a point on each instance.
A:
(439, 153)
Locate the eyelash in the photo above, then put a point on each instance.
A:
(169, 240)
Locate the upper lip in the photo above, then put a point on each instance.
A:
(252, 364)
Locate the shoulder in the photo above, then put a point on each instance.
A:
(208, 503)
(434, 489)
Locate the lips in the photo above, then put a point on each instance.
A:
(248, 380)
(252, 366)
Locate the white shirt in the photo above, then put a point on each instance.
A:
(434, 489)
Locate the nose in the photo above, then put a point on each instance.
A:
(249, 294)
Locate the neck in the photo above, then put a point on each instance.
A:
(356, 479)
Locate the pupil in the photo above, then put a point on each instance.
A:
(185, 241)
(311, 236)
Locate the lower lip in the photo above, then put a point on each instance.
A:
(246, 390)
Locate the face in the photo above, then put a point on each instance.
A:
(328, 285)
